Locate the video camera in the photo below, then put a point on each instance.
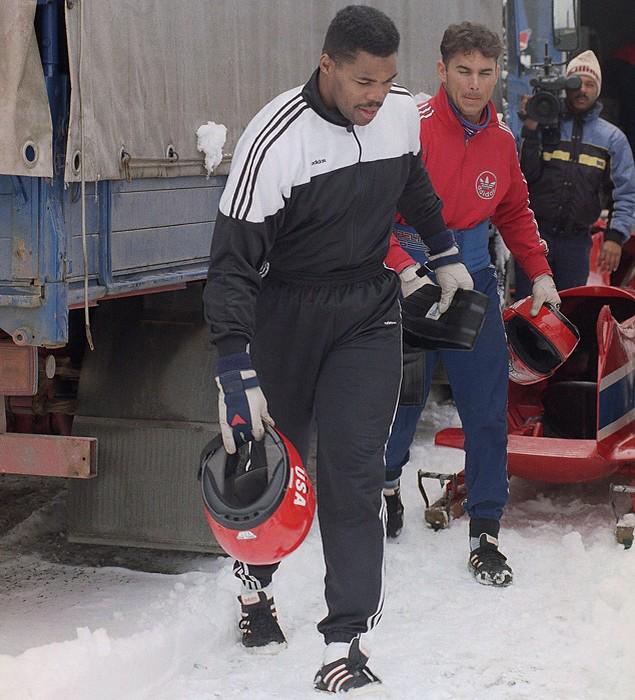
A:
(546, 105)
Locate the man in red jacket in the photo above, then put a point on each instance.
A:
(472, 163)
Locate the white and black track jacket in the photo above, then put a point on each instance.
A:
(314, 197)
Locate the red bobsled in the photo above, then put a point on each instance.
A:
(578, 425)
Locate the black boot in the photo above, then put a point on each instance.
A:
(489, 564)
(259, 623)
(394, 508)
(348, 674)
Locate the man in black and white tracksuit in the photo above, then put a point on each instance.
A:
(315, 181)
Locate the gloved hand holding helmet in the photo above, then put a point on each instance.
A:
(538, 343)
(451, 275)
(544, 292)
(242, 407)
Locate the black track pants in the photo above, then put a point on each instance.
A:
(333, 351)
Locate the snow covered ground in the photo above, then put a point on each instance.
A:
(80, 622)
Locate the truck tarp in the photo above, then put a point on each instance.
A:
(145, 74)
(142, 76)
(150, 72)
(25, 119)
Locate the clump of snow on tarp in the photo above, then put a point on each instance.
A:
(210, 140)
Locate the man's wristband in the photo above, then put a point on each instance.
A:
(440, 241)
(236, 362)
(614, 235)
(445, 260)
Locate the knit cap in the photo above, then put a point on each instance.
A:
(586, 64)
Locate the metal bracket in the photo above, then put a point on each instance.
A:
(617, 489)
(18, 369)
(624, 532)
(449, 505)
(48, 455)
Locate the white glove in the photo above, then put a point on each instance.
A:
(410, 281)
(450, 278)
(544, 292)
(242, 408)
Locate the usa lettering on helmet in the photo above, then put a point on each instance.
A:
(300, 487)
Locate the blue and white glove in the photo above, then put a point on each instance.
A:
(242, 407)
(451, 275)
(544, 292)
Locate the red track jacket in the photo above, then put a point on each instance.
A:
(477, 179)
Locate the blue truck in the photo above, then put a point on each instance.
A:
(83, 255)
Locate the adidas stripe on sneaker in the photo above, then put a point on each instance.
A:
(348, 673)
(259, 623)
(488, 564)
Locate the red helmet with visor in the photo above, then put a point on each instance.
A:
(259, 502)
(537, 345)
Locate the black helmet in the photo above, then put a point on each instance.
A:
(457, 329)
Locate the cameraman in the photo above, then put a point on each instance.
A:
(567, 168)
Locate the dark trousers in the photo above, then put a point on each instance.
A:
(479, 385)
(333, 352)
(569, 260)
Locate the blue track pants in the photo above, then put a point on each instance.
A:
(478, 379)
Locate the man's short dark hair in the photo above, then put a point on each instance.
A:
(360, 28)
(467, 37)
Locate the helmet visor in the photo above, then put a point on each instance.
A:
(532, 347)
(241, 490)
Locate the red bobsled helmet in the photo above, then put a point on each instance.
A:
(259, 502)
(537, 345)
